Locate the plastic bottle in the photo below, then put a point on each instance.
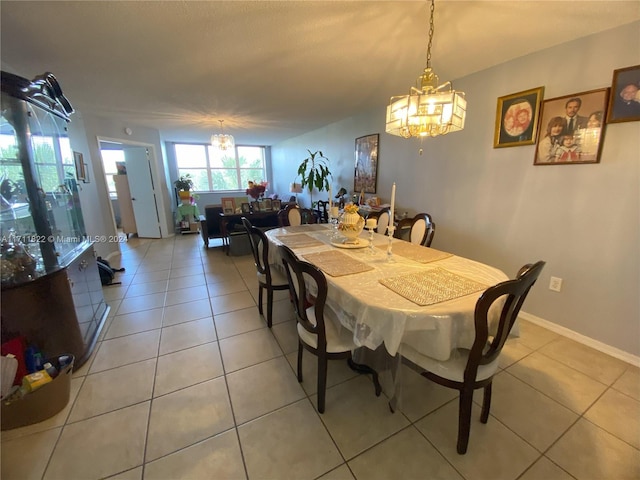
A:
(51, 370)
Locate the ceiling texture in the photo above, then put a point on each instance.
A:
(272, 69)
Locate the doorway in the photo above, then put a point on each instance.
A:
(131, 185)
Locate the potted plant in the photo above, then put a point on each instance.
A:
(184, 184)
(314, 172)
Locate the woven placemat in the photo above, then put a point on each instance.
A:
(299, 240)
(417, 253)
(336, 263)
(305, 228)
(432, 286)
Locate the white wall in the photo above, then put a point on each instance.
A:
(495, 206)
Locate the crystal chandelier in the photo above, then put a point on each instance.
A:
(222, 141)
(430, 109)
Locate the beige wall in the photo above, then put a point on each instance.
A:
(495, 206)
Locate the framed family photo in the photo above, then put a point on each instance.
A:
(228, 205)
(245, 207)
(517, 118)
(572, 128)
(276, 204)
(366, 168)
(624, 101)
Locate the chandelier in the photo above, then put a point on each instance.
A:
(222, 141)
(430, 109)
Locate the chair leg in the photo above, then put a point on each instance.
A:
(322, 382)
(486, 404)
(300, 348)
(260, 288)
(464, 420)
(269, 307)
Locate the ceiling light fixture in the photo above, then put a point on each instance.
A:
(428, 110)
(222, 141)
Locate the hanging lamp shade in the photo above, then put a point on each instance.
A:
(222, 141)
(429, 109)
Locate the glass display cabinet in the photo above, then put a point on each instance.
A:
(51, 290)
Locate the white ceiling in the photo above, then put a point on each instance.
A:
(272, 69)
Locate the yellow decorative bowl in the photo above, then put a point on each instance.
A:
(351, 225)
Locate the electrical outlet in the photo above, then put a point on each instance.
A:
(555, 284)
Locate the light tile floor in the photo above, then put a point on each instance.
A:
(187, 382)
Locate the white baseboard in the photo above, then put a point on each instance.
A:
(590, 342)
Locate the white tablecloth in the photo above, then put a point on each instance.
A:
(378, 316)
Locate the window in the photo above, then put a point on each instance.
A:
(109, 159)
(216, 170)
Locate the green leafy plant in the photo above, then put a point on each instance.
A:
(314, 172)
(185, 182)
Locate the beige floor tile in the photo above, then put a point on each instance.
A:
(282, 307)
(113, 389)
(146, 288)
(340, 473)
(494, 452)
(222, 274)
(136, 322)
(26, 457)
(214, 458)
(356, 418)
(240, 321)
(520, 407)
(594, 364)
(513, 351)
(180, 313)
(534, 336)
(187, 416)
(187, 367)
(133, 474)
(419, 396)
(338, 371)
(150, 265)
(186, 271)
(564, 384)
(143, 302)
(629, 382)
(186, 295)
(114, 292)
(125, 350)
(226, 288)
(619, 415)
(186, 335)
(231, 302)
(186, 282)
(286, 334)
(545, 469)
(179, 261)
(248, 349)
(588, 452)
(100, 446)
(407, 454)
(150, 277)
(288, 443)
(262, 388)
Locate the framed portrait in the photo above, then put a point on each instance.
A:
(255, 206)
(245, 207)
(517, 118)
(572, 128)
(366, 168)
(80, 166)
(624, 101)
(276, 204)
(228, 205)
(266, 204)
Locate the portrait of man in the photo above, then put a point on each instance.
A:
(624, 104)
(573, 121)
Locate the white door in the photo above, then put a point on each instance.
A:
(143, 197)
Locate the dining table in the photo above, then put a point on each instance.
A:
(392, 294)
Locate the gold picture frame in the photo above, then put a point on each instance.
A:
(517, 118)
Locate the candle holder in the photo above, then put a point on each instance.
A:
(390, 230)
(371, 230)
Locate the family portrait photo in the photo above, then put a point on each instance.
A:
(624, 104)
(572, 128)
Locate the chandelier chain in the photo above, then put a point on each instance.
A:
(433, 8)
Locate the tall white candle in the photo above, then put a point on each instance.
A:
(393, 204)
(330, 197)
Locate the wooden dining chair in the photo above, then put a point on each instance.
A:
(294, 216)
(319, 330)
(422, 230)
(468, 370)
(269, 279)
(322, 211)
(383, 222)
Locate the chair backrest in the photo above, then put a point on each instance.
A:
(259, 248)
(421, 230)
(307, 216)
(293, 215)
(515, 292)
(297, 270)
(212, 215)
(383, 222)
(403, 229)
(323, 211)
